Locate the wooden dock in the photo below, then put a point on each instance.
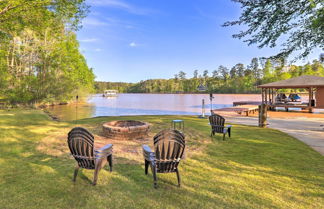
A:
(239, 103)
(241, 109)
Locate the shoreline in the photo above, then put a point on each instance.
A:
(215, 93)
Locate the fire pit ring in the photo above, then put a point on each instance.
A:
(126, 129)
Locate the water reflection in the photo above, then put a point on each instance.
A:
(73, 112)
(147, 104)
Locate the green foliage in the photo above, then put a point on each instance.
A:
(101, 86)
(40, 59)
(239, 79)
(302, 22)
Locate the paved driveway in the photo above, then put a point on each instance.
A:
(307, 130)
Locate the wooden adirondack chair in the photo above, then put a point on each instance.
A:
(217, 124)
(169, 146)
(81, 144)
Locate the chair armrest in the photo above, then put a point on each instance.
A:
(148, 154)
(104, 151)
(146, 148)
(229, 126)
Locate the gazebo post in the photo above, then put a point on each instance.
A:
(272, 100)
(262, 95)
(263, 109)
(272, 96)
(263, 115)
(310, 109)
(266, 96)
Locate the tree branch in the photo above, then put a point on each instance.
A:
(7, 8)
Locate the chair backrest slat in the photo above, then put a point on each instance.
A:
(217, 122)
(169, 147)
(81, 144)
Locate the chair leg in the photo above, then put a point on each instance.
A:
(146, 166)
(229, 132)
(110, 162)
(178, 177)
(154, 176)
(95, 176)
(76, 170)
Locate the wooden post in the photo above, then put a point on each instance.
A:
(262, 95)
(266, 96)
(263, 115)
(203, 109)
(309, 96)
(310, 109)
(273, 96)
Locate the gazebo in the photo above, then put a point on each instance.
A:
(314, 85)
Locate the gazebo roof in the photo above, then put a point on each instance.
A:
(304, 81)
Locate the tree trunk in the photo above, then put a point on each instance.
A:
(263, 115)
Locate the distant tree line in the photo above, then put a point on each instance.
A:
(238, 79)
(40, 60)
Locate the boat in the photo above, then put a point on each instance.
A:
(110, 93)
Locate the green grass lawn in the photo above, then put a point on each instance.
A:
(256, 168)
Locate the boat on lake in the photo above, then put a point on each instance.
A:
(110, 93)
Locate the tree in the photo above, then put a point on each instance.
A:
(240, 69)
(205, 74)
(182, 75)
(267, 72)
(254, 67)
(233, 73)
(222, 83)
(267, 21)
(224, 72)
(42, 61)
(215, 74)
(237, 70)
(195, 74)
(21, 13)
(321, 58)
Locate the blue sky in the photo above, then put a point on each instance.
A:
(133, 40)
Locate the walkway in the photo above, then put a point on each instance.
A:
(307, 130)
(246, 109)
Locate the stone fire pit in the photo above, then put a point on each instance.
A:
(126, 129)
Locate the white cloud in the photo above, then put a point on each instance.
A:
(119, 4)
(98, 50)
(89, 40)
(206, 15)
(110, 3)
(133, 44)
(90, 21)
(129, 26)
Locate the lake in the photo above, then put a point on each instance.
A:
(147, 104)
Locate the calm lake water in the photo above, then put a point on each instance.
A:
(147, 104)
